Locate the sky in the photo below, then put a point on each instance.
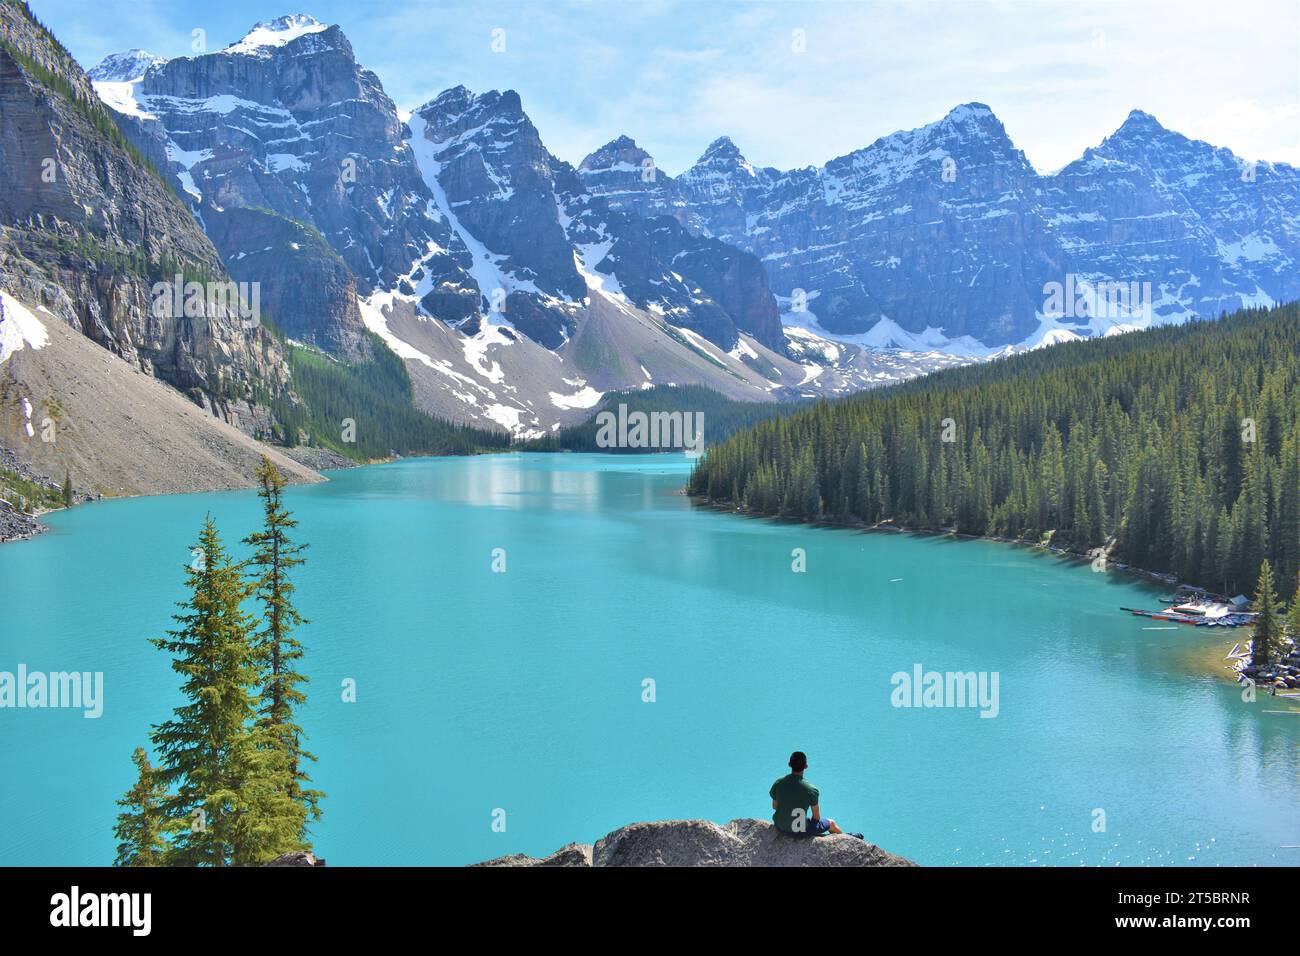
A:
(792, 83)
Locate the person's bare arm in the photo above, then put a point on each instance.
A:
(774, 803)
(817, 811)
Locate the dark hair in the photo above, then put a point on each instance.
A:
(798, 761)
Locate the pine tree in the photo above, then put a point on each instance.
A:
(1293, 619)
(274, 556)
(227, 801)
(67, 489)
(141, 824)
(1268, 624)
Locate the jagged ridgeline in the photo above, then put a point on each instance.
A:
(722, 416)
(1178, 447)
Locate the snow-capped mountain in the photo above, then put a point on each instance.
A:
(124, 67)
(293, 158)
(1209, 232)
(267, 36)
(518, 289)
(946, 237)
(515, 293)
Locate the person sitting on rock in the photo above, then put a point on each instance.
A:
(792, 796)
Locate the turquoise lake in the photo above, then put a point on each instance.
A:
(523, 690)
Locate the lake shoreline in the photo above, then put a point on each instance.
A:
(1160, 577)
(1201, 657)
(16, 525)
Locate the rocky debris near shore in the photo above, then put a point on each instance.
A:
(16, 525)
(19, 520)
(318, 459)
(1282, 675)
(743, 842)
(296, 858)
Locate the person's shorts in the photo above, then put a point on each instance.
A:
(812, 828)
(818, 827)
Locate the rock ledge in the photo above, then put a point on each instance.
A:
(744, 842)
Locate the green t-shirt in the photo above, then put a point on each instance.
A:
(792, 792)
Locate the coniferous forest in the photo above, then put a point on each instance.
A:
(1177, 449)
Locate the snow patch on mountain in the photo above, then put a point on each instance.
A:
(373, 314)
(121, 96)
(19, 328)
(268, 35)
(585, 397)
(888, 334)
(126, 67)
(586, 257)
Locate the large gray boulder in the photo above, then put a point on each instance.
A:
(744, 842)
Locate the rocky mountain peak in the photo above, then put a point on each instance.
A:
(459, 113)
(625, 176)
(722, 147)
(125, 67)
(268, 35)
(722, 161)
(1139, 121)
(1143, 141)
(618, 154)
(970, 129)
(977, 114)
(454, 100)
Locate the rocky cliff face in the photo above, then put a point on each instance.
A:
(87, 228)
(745, 842)
(302, 280)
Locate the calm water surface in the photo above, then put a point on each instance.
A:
(523, 691)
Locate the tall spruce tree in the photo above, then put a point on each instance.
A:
(1293, 619)
(275, 554)
(226, 801)
(142, 824)
(1268, 623)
